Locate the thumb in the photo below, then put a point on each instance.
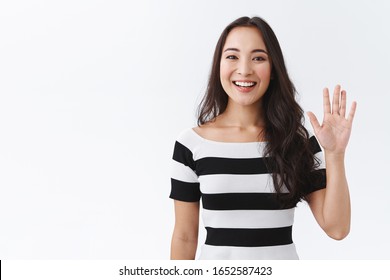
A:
(314, 122)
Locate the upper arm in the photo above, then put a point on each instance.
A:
(315, 194)
(316, 202)
(186, 219)
(185, 190)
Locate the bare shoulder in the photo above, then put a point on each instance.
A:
(220, 132)
(208, 130)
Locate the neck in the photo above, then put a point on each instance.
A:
(243, 116)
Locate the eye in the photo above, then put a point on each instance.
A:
(231, 57)
(259, 58)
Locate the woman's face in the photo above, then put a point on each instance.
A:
(245, 66)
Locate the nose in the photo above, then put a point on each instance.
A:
(244, 68)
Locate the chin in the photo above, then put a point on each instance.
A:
(245, 102)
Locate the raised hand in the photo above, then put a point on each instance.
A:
(335, 130)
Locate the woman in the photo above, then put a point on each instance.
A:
(250, 158)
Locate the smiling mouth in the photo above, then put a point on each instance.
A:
(244, 84)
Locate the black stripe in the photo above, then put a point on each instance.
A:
(183, 155)
(216, 165)
(241, 201)
(185, 191)
(249, 237)
(314, 145)
(317, 181)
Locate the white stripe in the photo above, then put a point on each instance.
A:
(282, 252)
(320, 157)
(201, 147)
(248, 218)
(182, 172)
(233, 183)
(188, 139)
(230, 150)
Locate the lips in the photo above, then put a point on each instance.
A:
(245, 84)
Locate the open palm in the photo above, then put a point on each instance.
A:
(335, 130)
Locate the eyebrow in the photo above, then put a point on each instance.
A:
(237, 50)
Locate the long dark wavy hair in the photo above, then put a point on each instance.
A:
(288, 151)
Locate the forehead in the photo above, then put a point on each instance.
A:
(245, 38)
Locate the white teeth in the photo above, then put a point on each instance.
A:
(244, 84)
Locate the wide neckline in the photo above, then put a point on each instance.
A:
(221, 142)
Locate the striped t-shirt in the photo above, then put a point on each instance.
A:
(240, 212)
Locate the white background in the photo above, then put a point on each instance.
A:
(94, 93)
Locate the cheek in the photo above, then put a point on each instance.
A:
(225, 71)
(264, 71)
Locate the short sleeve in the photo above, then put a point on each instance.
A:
(318, 175)
(184, 180)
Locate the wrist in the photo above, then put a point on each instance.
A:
(331, 155)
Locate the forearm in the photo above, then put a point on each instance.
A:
(337, 207)
(183, 248)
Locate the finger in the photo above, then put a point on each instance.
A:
(314, 122)
(336, 100)
(326, 101)
(343, 104)
(352, 112)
